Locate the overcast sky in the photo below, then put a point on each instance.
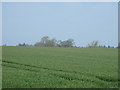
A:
(83, 22)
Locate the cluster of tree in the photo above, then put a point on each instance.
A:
(95, 44)
(47, 42)
(66, 43)
(23, 44)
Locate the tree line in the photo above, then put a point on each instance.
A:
(45, 41)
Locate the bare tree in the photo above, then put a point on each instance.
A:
(93, 44)
(46, 42)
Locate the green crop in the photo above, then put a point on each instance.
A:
(54, 67)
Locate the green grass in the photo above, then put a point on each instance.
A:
(52, 67)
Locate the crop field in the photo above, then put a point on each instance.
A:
(54, 67)
(0, 67)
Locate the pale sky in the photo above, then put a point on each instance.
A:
(82, 21)
(0, 23)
